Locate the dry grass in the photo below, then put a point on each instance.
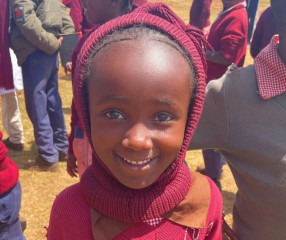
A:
(40, 189)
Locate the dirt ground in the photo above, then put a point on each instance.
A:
(40, 189)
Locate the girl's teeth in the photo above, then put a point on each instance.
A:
(137, 163)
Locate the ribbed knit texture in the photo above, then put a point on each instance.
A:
(102, 191)
(73, 223)
(9, 172)
(109, 197)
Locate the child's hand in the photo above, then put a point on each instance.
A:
(60, 40)
(228, 233)
(71, 165)
(68, 67)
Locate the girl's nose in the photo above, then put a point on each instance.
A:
(138, 138)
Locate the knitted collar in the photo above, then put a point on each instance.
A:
(102, 191)
(270, 71)
(109, 197)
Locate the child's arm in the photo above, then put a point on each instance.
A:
(67, 23)
(24, 14)
(212, 131)
(71, 160)
(76, 14)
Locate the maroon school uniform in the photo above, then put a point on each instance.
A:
(77, 15)
(228, 34)
(264, 31)
(6, 77)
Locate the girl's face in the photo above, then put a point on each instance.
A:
(100, 11)
(139, 95)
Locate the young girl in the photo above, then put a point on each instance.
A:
(96, 12)
(139, 91)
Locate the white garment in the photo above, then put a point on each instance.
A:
(17, 75)
(11, 117)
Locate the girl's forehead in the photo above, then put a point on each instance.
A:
(140, 66)
(145, 47)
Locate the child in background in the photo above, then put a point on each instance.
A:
(11, 116)
(200, 14)
(81, 25)
(264, 31)
(228, 38)
(10, 197)
(139, 91)
(35, 26)
(79, 152)
(244, 117)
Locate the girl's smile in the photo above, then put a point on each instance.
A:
(138, 104)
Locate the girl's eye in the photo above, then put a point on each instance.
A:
(163, 117)
(113, 114)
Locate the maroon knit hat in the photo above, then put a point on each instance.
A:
(173, 185)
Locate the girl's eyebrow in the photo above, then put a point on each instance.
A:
(164, 101)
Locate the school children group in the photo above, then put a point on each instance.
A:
(142, 97)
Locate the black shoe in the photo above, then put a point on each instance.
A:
(62, 157)
(42, 165)
(23, 223)
(14, 146)
(201, 169)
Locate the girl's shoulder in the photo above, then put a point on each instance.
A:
(70, 202)
(200, 212)
(70, 209)
(201, 205)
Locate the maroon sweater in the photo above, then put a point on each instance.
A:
(9, 172)
(228, 34)
(6, 76)
(264, 31)
(200, 13)
(71, 209)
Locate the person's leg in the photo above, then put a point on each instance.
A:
(251, 11)
(11, 118)
(10, 204)
(36, 71)
(55, 112)
(213, 164)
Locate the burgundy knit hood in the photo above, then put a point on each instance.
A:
(103, 192)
